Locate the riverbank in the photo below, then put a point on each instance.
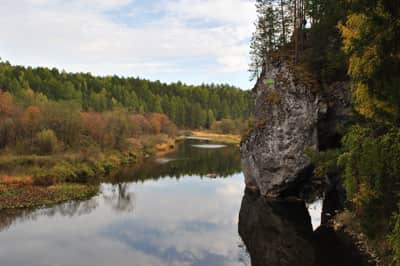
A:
(376, 252)
(25, 195)
(34, 180)
(224, 138)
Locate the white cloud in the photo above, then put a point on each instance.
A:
(79, 35)
(228, 11)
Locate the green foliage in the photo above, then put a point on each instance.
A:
(372, 172)
(82, 173)
(229, 126)
(323, 53)
(46, 142)
(63, 172)
(395, 238)
(7, 132)
(64, 119)
(273, 28)
(325, 162)
(187, 106)
(370, 39)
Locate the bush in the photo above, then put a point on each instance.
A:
(46, 142)
(83, 172)
(325, 162)
(371, 165)
(63, 172)
(225, 126)
(395, 239)
(44, 180)
(229, 126)
(111, 163)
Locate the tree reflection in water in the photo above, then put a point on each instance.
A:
(119, 197)
(69, 209)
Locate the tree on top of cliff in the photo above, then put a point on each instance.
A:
(272, 28)
(277, 20)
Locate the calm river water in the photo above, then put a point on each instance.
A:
(164, 212)
(182, 209)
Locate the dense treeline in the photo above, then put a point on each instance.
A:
(187, 106)
(357, 41)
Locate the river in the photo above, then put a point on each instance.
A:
(162, 212)
(182, 209)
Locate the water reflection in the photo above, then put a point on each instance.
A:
(209, 146)
(186, 160)
(119, 197)
(280, 233)
(69, 209)
(276, 233)
(172, 216)
(168, 212)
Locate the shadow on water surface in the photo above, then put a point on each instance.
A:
(280, 233)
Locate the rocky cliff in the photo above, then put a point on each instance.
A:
(291, 116)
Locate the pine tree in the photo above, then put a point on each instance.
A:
(266, 37)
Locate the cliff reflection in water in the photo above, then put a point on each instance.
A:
(280, 233)
(275, 233)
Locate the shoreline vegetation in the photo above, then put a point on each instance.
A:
(31, 181)
(219, 137)
(65, 177)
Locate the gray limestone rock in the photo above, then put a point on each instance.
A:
(287, 114)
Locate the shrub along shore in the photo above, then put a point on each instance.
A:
(41, 180)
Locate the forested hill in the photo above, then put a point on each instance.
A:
(187, 106)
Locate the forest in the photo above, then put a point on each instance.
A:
(187, 106)
(357, 42)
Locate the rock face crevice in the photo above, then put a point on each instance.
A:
(288, 117)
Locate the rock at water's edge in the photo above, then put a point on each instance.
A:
(288, 116)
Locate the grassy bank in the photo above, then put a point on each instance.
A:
(40, 180)
(225, 138)
(24, 195)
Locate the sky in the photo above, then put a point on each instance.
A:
(193, 41)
